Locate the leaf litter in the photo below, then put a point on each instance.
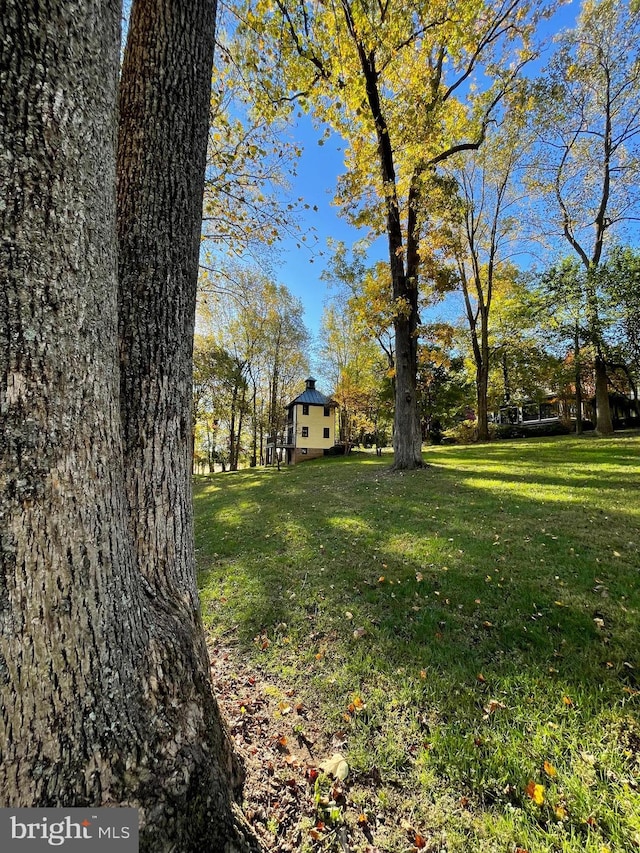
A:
(297, 781)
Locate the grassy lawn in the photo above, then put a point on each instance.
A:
(465, 635)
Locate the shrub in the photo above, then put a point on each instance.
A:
(466, 432)
(526, 430)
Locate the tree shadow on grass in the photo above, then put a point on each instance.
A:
(483, 625)
(319, 538)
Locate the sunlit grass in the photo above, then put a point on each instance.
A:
(498, 593)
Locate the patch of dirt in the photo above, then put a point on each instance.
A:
(291, 804)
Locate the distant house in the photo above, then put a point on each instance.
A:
(310, 430)
(562, 408)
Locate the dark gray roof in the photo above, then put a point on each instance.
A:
(313, 398)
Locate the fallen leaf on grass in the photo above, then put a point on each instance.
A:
(336, 766)
(492, 706)
(356, 705)
(549, 769)
(359, 633)
(535, 792)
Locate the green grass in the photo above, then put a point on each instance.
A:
(499, 592)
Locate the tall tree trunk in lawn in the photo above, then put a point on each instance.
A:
(604, 422)
(407, 440)
(578, 379)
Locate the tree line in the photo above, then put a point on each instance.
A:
(461, 158)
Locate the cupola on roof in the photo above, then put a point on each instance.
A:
(311, 396)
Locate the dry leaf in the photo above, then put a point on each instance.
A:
(549, 769)
(535, 792)
(356, 705)
(493, 706)
(336, 766)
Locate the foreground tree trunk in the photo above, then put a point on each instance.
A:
(72, 629)
(106, 695)
(164, 119)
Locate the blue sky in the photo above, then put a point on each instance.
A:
(318, 171)
(300, 269)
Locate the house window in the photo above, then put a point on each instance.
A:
(305, 408)
(327, 432)
(303, 451)
(305, 432)
(327, 411)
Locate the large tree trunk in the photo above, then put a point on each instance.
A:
(482, 382)
(604, 424)
(164, 111)
(578, 380)
(106, 696)
(407, 438)
(72, 630)
(482, 377)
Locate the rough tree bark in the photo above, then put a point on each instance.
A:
(162, 141)
(106, 695)
(72, 632)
